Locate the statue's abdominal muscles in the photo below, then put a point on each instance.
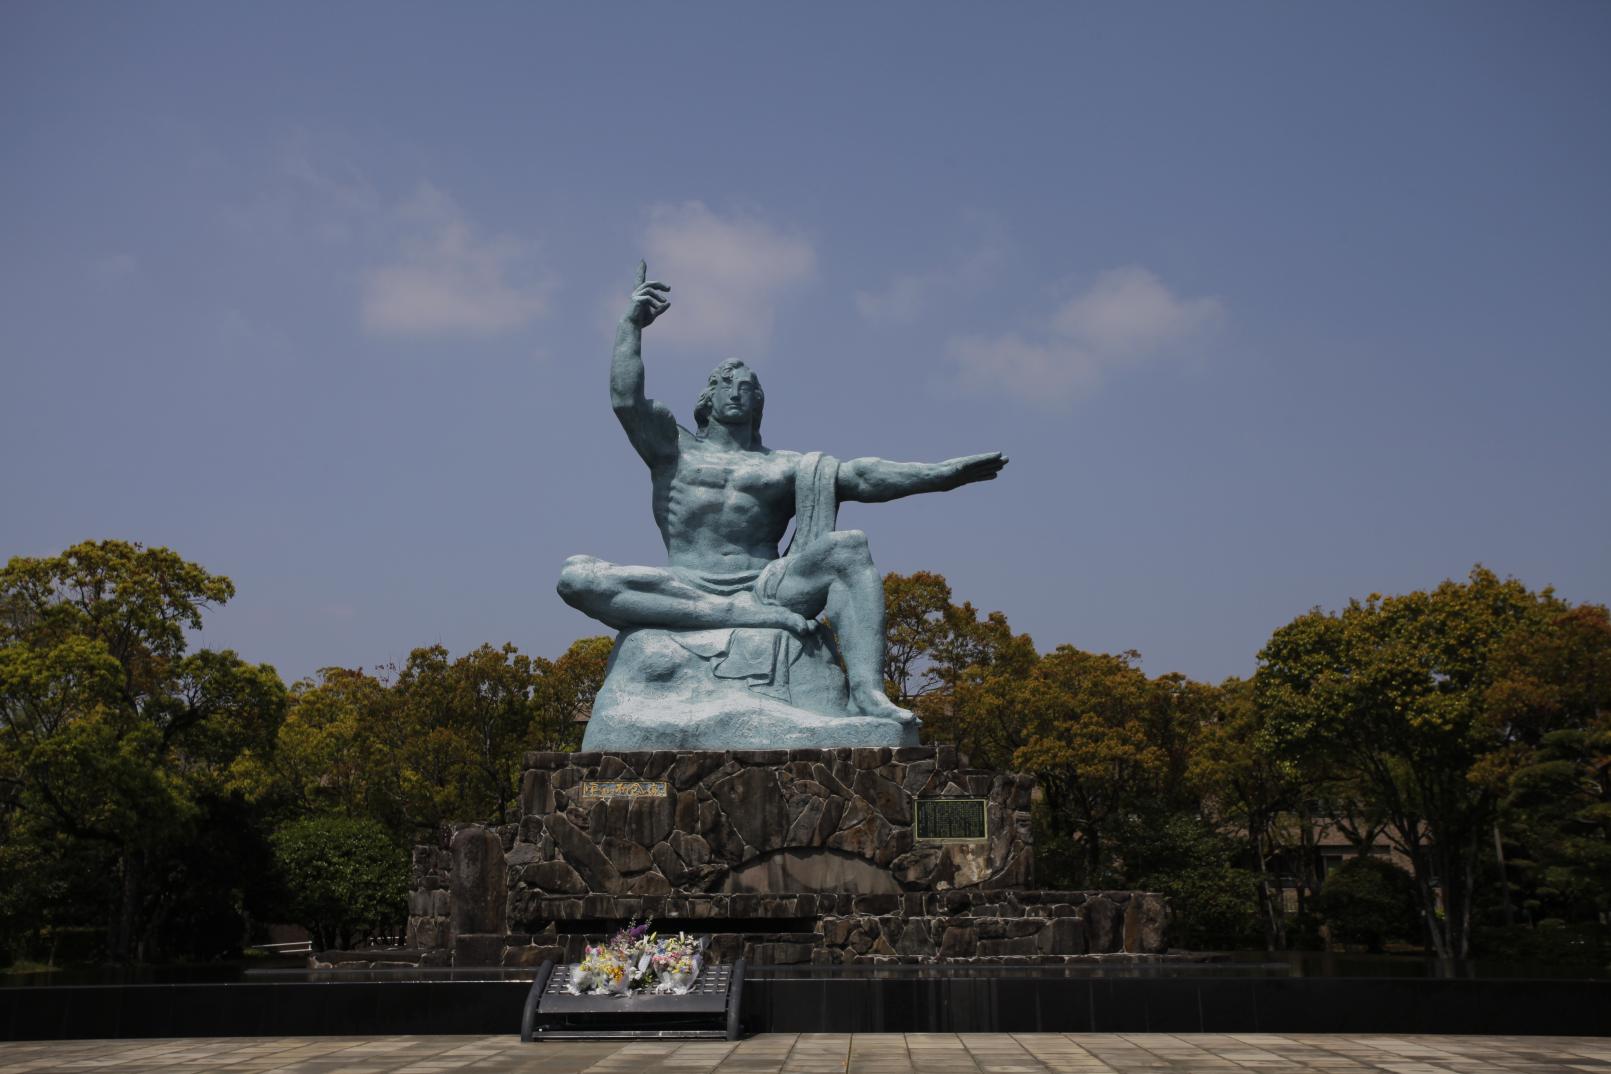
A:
(718, 515)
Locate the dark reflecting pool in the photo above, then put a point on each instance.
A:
(1233, 964)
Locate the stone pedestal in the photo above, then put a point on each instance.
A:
(746, 688)
(786, 856)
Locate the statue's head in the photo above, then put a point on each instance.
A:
(732, 394)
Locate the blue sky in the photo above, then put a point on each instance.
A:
(1270, 304)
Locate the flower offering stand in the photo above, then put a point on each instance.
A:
(709, 1009)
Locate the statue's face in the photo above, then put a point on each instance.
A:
(732, 401)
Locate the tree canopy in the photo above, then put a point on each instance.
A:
(1442, 719)
(140, 781)
(117, 742)
(162, 799)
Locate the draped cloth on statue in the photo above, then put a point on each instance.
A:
(816, 498)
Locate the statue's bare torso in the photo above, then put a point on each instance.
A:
(723, 510)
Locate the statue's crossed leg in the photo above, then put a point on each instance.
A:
(624, 597)
(833, 573)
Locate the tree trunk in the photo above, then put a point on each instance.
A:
(1308, 856)
(122, 944)
(1421, 866)
(1504, 877)
(1458, 907)
(1273, 938)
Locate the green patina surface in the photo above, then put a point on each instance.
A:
(721, 648)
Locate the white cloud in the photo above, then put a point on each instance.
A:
(1129, 311)
(727, 273)
(1127, 316)
(447, 280)
(908, 294)
(422, 266)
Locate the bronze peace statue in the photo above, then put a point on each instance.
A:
(721, 648)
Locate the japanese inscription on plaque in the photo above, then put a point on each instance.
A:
(952, 820)
(624, 788)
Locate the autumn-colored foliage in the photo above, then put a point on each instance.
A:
(1437, 721)
(1467, 727)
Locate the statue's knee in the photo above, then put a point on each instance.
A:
(850, 548)
(577, 578)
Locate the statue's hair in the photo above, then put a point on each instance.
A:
(703, 405)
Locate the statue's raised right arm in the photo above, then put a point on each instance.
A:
(649, 425)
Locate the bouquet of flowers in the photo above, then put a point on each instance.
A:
(676, 962)
(636, 959)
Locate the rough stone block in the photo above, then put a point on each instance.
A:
(877, 904)
(885, 795)
(1146, 924)
(1019, 945)
(478, 949)
(648, 884)
(532, 955)
(555, 877)
(781, 954)
(1063, 936)
(766, 758)
(916, 938)
(628, 857)
(479, 881)
(584, 856)
(1104, 925)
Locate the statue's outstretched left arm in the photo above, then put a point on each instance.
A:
(876, 480)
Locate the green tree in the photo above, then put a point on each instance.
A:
(1100, 752)
(1109, 747)
(332, 754)
(342, 877)
(1252, 790)
(1370, 901)
(1191, 860)
(1392, 694)
(115, 742)
(1551, 705)
(1559, 807)
(919, 625)
(439, 739)
(474, 713)
(565, 692)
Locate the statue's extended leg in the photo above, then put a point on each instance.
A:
(626, 597)
(837, 572)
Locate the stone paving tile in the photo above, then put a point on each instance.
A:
(827, 1053)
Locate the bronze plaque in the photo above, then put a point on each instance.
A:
(952, 820)
(624, 788)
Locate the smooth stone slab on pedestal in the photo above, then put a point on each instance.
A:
(746, 688)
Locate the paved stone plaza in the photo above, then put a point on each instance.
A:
(783, 1053)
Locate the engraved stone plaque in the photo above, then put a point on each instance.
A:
(952, 820)
(624, 788)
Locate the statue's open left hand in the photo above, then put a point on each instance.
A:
(971, 468)
(648, 299)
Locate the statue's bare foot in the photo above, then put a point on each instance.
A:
(874, 703)
(747, 611)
